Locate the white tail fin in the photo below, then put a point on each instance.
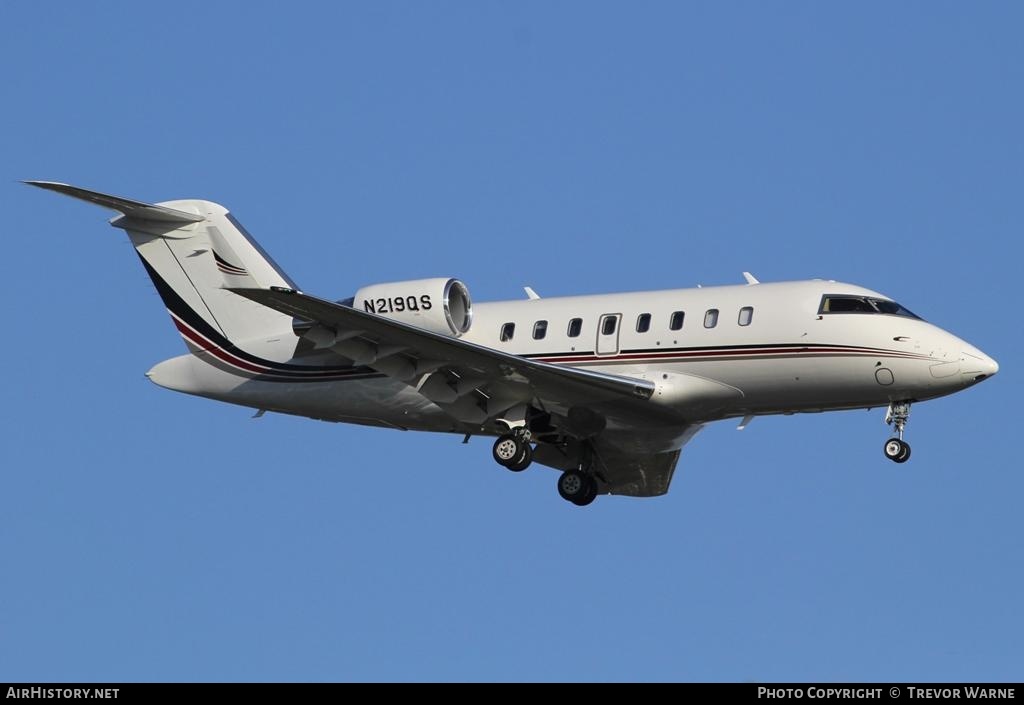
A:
(192, 250)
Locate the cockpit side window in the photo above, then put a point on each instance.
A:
(846, 303)
(892, 308)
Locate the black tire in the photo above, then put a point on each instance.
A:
(905, 455)
(893, 448)
(507, 449)
(577, 487)
(523, 461)
(591, 494)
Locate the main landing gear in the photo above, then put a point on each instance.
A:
(514, 451)
(896, 449)
(577, 487)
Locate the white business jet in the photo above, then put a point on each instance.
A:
(605, 388)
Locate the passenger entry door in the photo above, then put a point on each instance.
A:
(608, 334)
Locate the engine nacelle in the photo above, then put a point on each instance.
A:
(438, 305)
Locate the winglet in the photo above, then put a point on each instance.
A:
(530, 293)
(751, 279)
(131, 209)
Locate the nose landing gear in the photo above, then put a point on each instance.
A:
(896, 449)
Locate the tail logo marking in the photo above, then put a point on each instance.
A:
(228, 268)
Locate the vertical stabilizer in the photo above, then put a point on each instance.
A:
(192, 250)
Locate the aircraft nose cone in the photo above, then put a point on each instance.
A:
(992, 366)
(977, 366)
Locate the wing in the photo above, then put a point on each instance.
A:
(472, 382)
(475, 385)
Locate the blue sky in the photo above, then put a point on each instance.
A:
(574, 147)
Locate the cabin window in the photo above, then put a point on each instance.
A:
(675, 322)
(711, 318)
(608, 327)
(540, 329)
(507, 331)
(643, 323)
(746, 315)
(575, 326)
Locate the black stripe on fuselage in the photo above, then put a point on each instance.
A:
(704, 351)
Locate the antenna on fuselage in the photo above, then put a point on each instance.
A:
(751, 279)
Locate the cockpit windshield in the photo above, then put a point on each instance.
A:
(845, 303)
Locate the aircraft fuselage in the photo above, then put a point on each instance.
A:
(735, 351)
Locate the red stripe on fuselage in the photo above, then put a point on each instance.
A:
(207, 346)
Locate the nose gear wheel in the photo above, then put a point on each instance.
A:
(897, 415)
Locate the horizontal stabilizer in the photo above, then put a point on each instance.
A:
(131, 209)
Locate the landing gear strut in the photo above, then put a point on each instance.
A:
(513, 450)
(896, 449)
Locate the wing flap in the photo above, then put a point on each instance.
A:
(638, 475)
(628, 473)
